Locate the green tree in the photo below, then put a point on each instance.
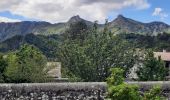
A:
(107, 50)
(3, 65)
(95, 54)
(26, 65)
(153, 69)
(77, 63)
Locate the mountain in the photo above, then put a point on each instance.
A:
(126, 25)
(121, 25)
(77, 18)
(8, 30)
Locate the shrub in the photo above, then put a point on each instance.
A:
(119, 90)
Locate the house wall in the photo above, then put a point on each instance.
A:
(54, 69)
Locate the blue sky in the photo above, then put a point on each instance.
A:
(146, 15)
(9, 15)
(61, 10)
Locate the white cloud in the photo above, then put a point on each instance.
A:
(160, 13)
(5, 19)
(62, 10)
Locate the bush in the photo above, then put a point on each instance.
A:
(118, 90)
(124, 92)
(154, 94)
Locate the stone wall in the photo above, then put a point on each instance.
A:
(68, 91)
(53, 91)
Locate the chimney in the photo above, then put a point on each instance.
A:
(164, 50)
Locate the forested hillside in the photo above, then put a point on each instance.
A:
(47, 44)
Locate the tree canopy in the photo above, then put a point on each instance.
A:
(26, 65)
(153, 69)
(92, 58)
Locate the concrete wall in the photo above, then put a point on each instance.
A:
(53, 91)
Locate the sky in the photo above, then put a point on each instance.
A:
(55, 11)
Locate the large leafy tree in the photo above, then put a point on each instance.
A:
(26, 65)
(91, 58)
(107, 50)
(153, 69)
(74, 58)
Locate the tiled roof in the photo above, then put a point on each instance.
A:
(164, 55)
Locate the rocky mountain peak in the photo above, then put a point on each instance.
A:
(120, 20)
(75, 19)
(120, 17)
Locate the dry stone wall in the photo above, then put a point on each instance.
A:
(53, 91)
(68, 91)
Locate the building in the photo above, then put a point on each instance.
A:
(54, 72)
(54, 69)
(165, 56)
